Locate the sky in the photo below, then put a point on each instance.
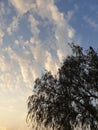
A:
(34, 37)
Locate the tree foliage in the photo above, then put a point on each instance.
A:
(70, 99)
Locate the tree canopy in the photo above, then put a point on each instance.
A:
(69, 99)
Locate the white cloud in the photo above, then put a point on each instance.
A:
(1, 36)
(5, 76)
(2, 10)
(33, 24)
(24, 60)
(56, 15)
(22, 6)
(55, 45)
(71, 33)
(69, 15)
(14, 72)
(13, 27)
(50, 65)
(60, 55)
(23, 67)
(91, 22)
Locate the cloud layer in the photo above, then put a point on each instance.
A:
(33, 38)
(48, 31)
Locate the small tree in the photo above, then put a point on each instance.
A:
(69, 99)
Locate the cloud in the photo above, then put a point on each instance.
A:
(56, 15)
(22, 61)
(3, 128)
(13, 27)
(60, 55)
(69, 15)
(22, 6)
(71, 33)
(91, 22)
(34, 26)
(22, 67)
(50, 65)
(31, 57)
(1, 36)
(2, 10)
(28, 51)
(5, 75)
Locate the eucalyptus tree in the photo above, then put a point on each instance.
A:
(69, 99)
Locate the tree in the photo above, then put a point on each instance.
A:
(70, 99)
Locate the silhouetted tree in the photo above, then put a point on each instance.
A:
(70, 99)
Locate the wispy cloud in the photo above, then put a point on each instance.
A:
(2, 11)
(91, 22)
(25, 58)
(22, 6)
(41, 52)
(1, 36)
(13, 27)
(34, 26)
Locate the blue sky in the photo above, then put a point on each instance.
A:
(33, 38)
(84, 19)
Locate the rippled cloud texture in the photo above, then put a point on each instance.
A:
(33, 38)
